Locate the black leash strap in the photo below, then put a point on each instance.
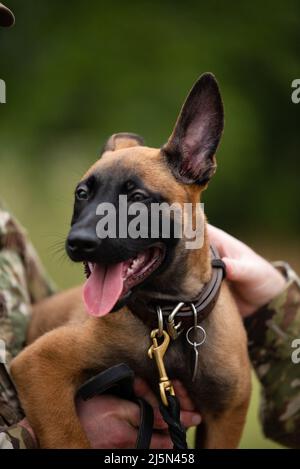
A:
(118, 381)
(171, 416)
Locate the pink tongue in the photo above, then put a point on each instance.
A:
(103, 289)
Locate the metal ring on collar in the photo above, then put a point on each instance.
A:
(160, 321)
(195, 344)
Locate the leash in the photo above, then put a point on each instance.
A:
(169, 406)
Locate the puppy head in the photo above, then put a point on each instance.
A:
(120, 263)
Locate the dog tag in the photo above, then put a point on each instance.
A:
(195, 344)
(196, 360)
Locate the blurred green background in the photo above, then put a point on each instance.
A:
(77, 72)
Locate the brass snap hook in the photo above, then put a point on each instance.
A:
(157, 351)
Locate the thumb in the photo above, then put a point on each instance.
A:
(130, 412)
(237, 270)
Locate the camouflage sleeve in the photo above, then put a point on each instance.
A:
(272, 331)
(22, 283)
(16, 437)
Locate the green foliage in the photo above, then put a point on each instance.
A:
(77, 72)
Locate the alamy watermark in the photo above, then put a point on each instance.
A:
(154, 221)
(2, 92)
(296, 91)
(296, 353)
(2, 351)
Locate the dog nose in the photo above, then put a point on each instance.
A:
(81, 245)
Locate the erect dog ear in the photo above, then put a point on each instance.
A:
(122, 140)
(7, 18)
(191, 148)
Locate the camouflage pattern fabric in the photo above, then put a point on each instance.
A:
(23, 282)
(16, 437)
(271, 331)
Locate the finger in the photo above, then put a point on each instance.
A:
(184, 399)
(238, 270)
(125, 437)
(130, 412)
(161, 442)
(232, 268)
(218, 238)
(159, 423)
(190, 419)
(226, 244)
(142, 389)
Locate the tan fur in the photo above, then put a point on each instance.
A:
(48, 372)
(148, 163)
(55, 311)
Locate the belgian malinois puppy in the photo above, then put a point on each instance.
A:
(124, 276)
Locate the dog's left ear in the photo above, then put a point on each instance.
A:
(122, 140)
(191, 148)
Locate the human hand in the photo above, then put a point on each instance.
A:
(25, 424)
(254, 281)
(110, 422)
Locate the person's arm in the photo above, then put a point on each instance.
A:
(110, 422)
(269, 299)
(23, 282)
(272, 331)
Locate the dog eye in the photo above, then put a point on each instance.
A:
(129, 186)
(82, 193)
(137, 196)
